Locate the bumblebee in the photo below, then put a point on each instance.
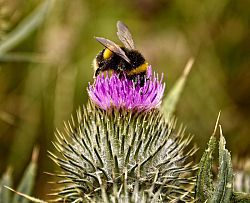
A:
(125, 59)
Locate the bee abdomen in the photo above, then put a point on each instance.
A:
(140, 69)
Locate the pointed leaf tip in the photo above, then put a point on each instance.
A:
(222, 191)
(217, 123)
(224, 187)
(188, 67)
(35, 154)
(171, 100)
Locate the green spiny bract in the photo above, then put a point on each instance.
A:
(123, 155)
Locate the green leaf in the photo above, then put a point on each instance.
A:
(6, 180)
(204, 186)
(224, 186)
(171, 100)
(27, 183)
(204, 182)
(223, 189)
(28, 25)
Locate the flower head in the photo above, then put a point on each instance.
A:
(122, 92)
(142, 154)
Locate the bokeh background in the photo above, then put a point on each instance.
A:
(43, 78)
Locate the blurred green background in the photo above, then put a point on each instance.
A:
(44, 76)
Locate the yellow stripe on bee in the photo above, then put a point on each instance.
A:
(107, 53)
(139, 69)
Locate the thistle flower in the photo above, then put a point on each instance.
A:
(121, 148)
(122, 155)
(121, 92)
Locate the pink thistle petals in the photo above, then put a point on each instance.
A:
(121, 92)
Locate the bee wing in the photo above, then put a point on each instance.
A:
(125, 36)
(113, 47)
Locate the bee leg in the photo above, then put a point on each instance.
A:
(120, 74)
(142, 79)
(97, 72)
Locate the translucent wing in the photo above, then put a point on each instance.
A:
(124, 35)
(113, 47)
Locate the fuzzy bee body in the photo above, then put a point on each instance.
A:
(125, 59)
